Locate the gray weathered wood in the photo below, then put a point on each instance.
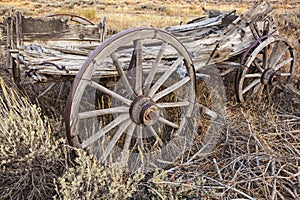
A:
(209, 41)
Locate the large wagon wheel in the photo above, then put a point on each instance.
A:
(133, 100)
(271, 64)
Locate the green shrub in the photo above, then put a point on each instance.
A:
(89, 180)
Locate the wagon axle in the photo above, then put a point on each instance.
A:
(269, 77)
(143, 111)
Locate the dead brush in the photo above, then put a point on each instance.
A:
(261, 153)
(30, 158)
(258, 157)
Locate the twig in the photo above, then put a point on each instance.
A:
(155, 191)
(218, 170)
(290, 88)
(229, 187)
(274, 193)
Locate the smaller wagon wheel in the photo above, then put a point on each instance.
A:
(133, 100)
(271, 64)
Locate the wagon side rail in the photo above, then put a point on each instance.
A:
(222, 39)
(54, 43)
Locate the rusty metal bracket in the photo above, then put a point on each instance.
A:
(55, 65)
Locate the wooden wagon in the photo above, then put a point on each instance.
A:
(142, 96)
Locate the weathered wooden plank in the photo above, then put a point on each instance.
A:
(195, 26)
(209, 41)
(53, 29)
(257, 14)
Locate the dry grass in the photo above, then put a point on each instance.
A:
(35, 161)
(30, 158)
(257, 157)
(124, 14)
(288, 21)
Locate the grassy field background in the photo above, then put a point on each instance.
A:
(122, 15)
(258, 156)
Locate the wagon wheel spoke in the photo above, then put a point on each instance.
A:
(128, 139)
(279, 60)
(167, 122)
(152, 73)
(165, 76)
(114, 140)
(122, 74)
(273, 53)
(109, 92)
(258, 90)
(47, 90)
(251, 85)
(287, 61)
(53, 93)
(254, 75)
(138, 47)
(170, 89)
(140, 105)
(276, 59)
(265, 58)
(258, 64)
(120, 119)
(173, 104)
(140, 139)
(154, 133)
(284, 74)
(95, 113)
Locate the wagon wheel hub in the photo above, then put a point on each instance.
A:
(269, 77)
(143, 111)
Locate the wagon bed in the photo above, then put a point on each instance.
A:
(134, 96)
(34, 43)
(42, 47)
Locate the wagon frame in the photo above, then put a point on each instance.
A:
(134, 97)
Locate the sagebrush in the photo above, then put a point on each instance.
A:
(30, 159)
(35, 161)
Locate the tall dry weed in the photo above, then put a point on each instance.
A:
(30, 159)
